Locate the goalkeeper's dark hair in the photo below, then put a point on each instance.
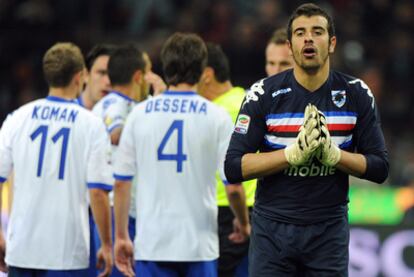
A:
(308, 10)
(123, 63)
(97, 51)
(183, 58)
(218, 61)
(60, 64)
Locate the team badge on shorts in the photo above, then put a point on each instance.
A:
(242, 124)
(338, 97)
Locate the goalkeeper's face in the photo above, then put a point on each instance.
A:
(310, 44)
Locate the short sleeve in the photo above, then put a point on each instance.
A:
(225, 131)
(125, 156)
(6, 135)
(114, 115)
(99, 171)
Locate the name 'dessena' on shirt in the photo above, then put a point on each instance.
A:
(176, 106)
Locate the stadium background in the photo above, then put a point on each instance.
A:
(375, 43)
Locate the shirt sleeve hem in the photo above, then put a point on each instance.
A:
(100, 186)
(113, 127)
(123, 177)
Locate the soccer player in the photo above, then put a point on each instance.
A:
(215, 85)
(97, 85)
(174, 143)
(299, 221)
(127, 67)
(57, 150)
(97, 80)
(278, 56)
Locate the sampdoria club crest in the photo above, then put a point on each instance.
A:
(338, 97)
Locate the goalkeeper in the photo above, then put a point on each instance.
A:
(312, 127)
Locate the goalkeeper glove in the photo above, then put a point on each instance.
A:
(307, 140)
(329, 153)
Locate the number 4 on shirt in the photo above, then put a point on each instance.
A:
(179, 157)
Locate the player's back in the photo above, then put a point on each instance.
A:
(180, 139)
(52, 142)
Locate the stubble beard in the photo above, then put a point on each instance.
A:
(310, 68)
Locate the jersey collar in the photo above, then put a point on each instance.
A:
(169, 92)
(60, 99)
(122, 95)
(80, 101)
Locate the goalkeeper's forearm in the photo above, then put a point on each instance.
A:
(352, 163)
(256, 165)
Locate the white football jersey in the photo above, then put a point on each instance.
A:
(57, 150)
(173, 144)
(114, 109)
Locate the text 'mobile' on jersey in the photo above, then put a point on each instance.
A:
(173, 144)
(57, 150)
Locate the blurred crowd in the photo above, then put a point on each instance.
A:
(375, 43)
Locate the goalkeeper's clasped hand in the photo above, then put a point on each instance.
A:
(313, 140)
(329, 153)
(308, 139)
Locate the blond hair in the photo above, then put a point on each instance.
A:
(61, 62)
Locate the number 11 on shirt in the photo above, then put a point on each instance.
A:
(42, 131)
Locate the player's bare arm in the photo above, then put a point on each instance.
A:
(124, 254)
(256, 165)
(101, 211)
(3, 266)
(237, 200)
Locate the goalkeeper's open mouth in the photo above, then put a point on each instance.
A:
(309, 52)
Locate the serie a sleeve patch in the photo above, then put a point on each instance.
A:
(242, 124)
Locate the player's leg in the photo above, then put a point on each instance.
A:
(21, 272)
(325, 251)
(92, 246)
(156, 269)
(63, 273)
(131, 227)
(201, 269)
(272, 248)
(231, 254)
(242, 269)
